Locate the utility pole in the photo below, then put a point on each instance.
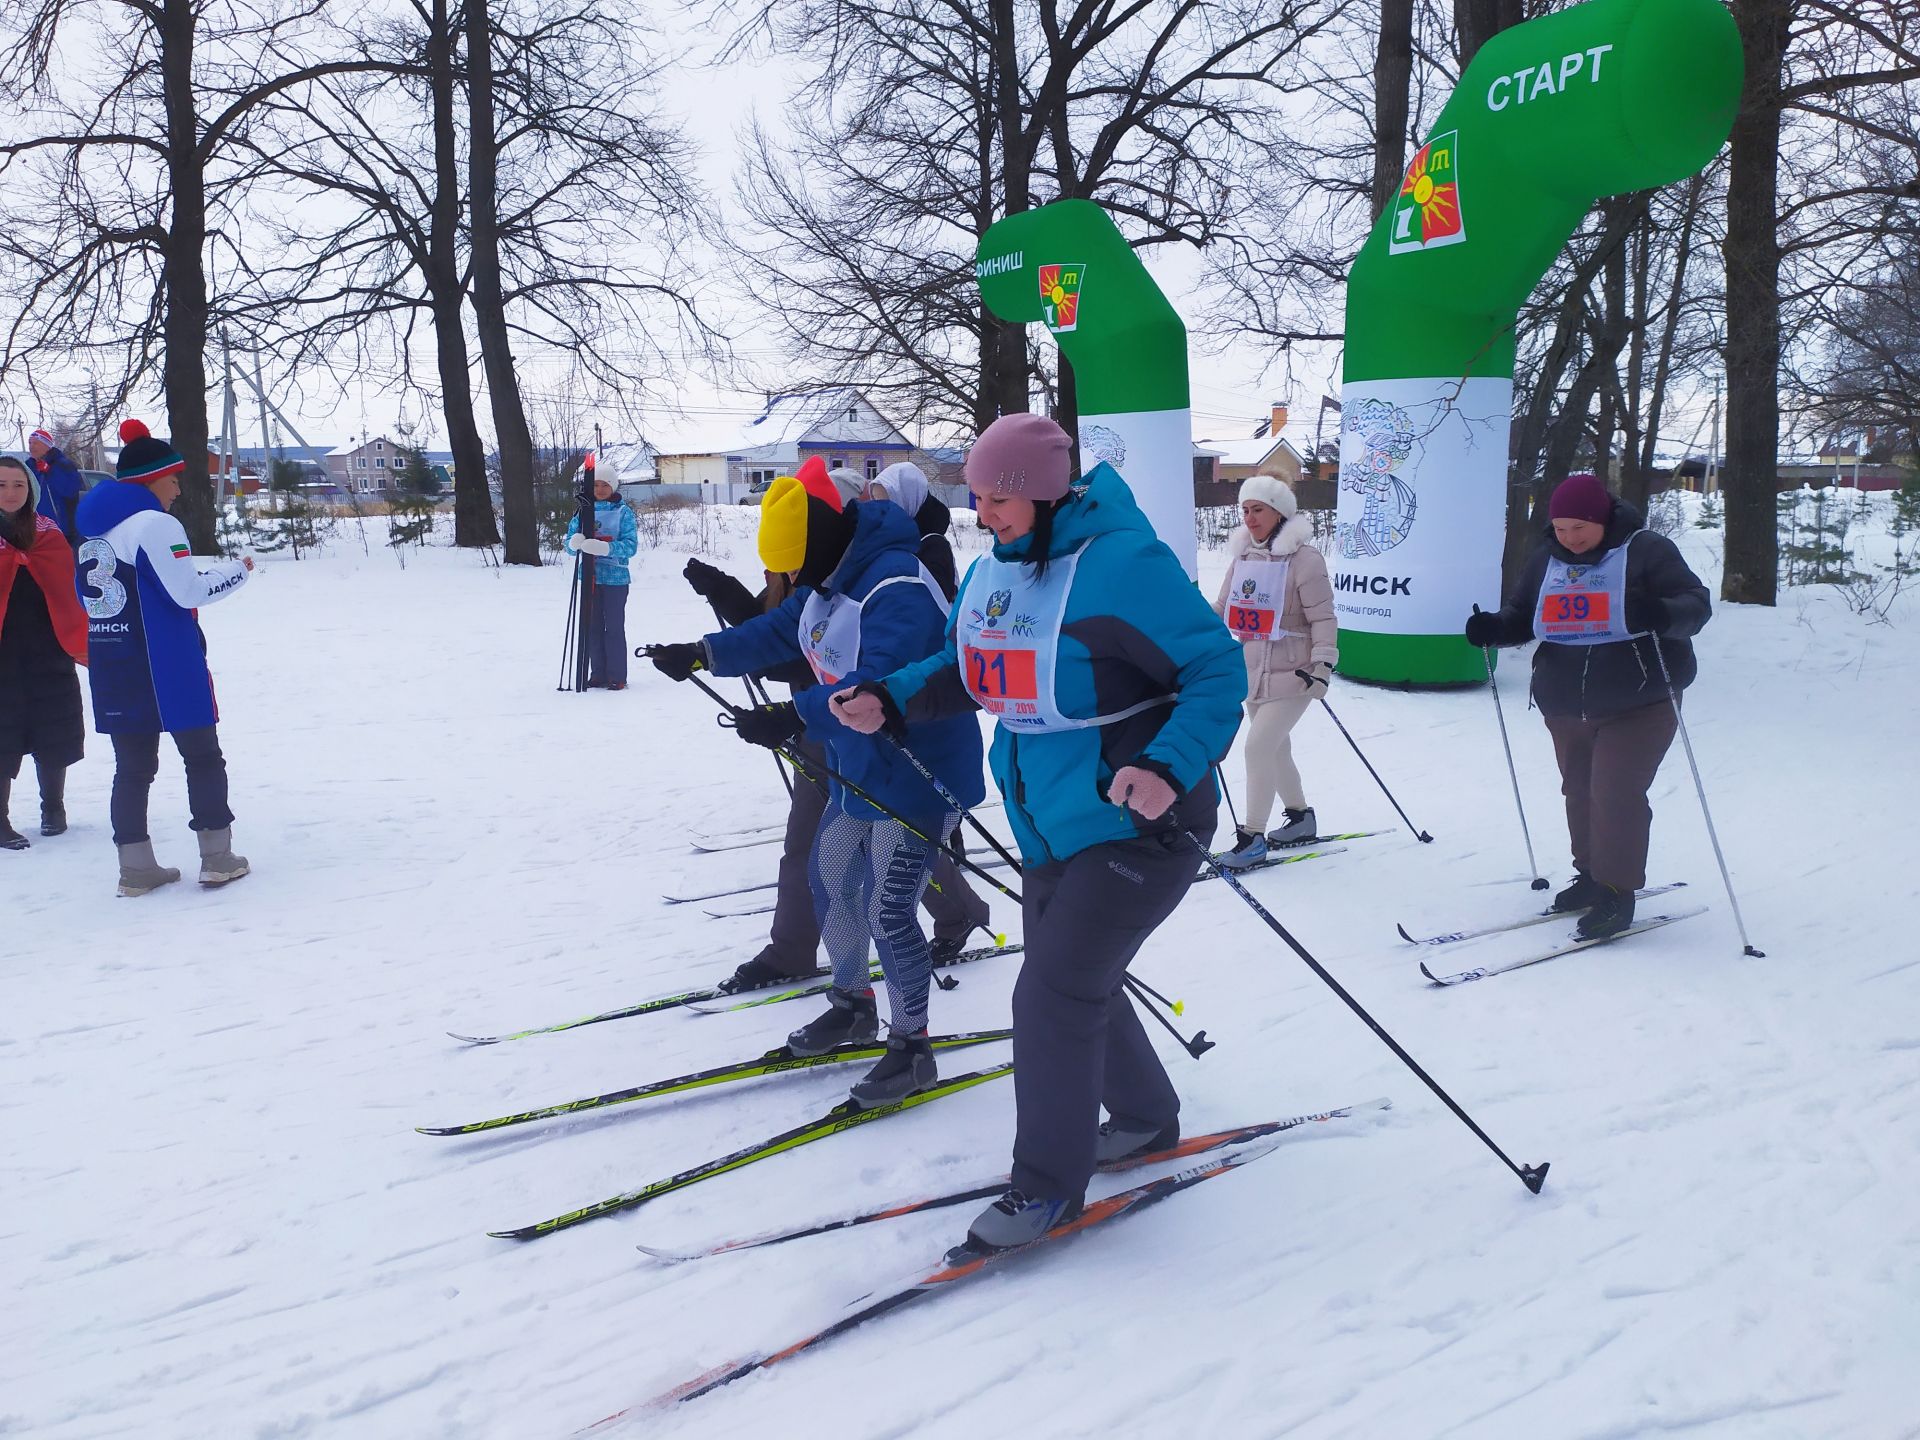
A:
(1712, 480)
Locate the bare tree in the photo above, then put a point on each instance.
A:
(144, 136)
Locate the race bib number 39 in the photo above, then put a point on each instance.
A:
(999, 679)
(1576, 612)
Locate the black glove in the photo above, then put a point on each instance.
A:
(678, 662)
(895, 725)
(1483, 629)
(769, 725)
(1647, 614)
(706, 580)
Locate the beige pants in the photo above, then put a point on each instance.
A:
(1270, 767)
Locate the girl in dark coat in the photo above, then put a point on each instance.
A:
(42, 634)
(1615, 608)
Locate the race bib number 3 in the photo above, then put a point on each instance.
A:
(1247, 621)
(999, 678)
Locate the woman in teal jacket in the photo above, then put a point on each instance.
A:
(1117, 690)
(612, 547)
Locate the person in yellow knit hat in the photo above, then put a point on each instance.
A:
(862, 606)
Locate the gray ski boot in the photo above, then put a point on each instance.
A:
(906, 1069)
(1118, 1142)
(1298, 827)
(849, 1019)
(1015, 1219)
(218, 864)
(140, 872)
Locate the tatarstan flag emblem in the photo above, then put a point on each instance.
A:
(1426, 212)
(1060, 295)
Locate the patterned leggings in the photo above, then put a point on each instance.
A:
(867, 878)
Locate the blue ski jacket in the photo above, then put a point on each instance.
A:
(900, 624)
(1135, 627)
(612, 520)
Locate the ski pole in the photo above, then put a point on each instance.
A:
(947, 795)
(566, 636)
(1232, 814)
(1686, 741)
(1422, 836)
(757, 693)
(1531, 1176)
(1533, 868)
(806, 767)
(1196, 1047)
(1178, 1007)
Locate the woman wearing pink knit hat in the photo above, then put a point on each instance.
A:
(1116, 691)
(1615, 608)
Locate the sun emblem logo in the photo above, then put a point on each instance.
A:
(1426, 212)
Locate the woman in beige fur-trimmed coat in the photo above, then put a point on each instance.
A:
(1278, 602)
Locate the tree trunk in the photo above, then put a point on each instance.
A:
(1392, 74)
(1753, 311)
(1663, 362)
(489, 307)
(1477, 21)
(1010, 381)
(1633, 478)
(183, 279)
(473, 522)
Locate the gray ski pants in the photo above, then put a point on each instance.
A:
(1077, 1043)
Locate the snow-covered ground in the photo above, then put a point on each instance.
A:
(217, 1220)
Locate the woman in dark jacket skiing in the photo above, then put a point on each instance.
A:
(1615, 607)
(1117, 690)
(42, 634)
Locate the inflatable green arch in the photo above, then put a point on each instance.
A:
(1605, 97)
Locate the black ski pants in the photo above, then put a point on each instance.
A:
(1077, 1042)
(136, 760)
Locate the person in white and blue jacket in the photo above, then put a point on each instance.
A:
(612, 547)
(1117, 690)
(863, 605)
(142, 587)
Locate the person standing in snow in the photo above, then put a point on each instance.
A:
(43, 633)
(60, 482)
(1278, 602)
(1615, 607)
(1117, 691)
(862, 605)
(611, 549)
(142, 587)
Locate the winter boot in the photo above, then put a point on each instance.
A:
(53, 799)
(140, 872)
(1119, 1142)
(1249, 849)
(218, 864)
(1583, 894)
(851, 1019)
(1297, 827)
(906, 1069)
(1016, 1218)
(1611, 913)
(10, 838)
(755, 974)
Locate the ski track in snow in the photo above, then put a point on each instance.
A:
(218, 1220)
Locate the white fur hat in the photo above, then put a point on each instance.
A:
(1270, 492)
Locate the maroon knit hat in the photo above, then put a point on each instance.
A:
(1024, 455)
(1581, 497)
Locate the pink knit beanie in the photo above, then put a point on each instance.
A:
(1024, 455)
(1581, 497)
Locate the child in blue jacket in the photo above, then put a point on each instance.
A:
(612, 547)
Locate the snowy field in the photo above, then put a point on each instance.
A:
(218, 1221)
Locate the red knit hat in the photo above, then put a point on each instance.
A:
(1581, 497)
(143, 459)
(814, 480)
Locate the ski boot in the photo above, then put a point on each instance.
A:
(1119, 1142)
(1015, 1219)
(906, 1069)
(1249, 849)
(140, 873)
(1297, 827)
(851, 1019)
(218, 864)
(944, 950)
(756, 974)
(1583, 894)
(1611, 913)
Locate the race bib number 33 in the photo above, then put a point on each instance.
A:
(1249, 621)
